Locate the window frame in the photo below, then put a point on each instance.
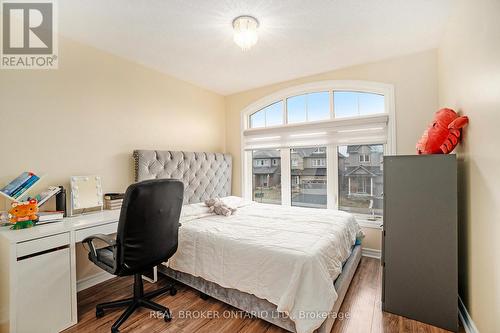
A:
(273, 138)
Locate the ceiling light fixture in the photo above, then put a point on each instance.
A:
(245, 31)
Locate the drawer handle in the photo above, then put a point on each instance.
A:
(42, 252)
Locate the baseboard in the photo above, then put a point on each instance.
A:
(465, 318)
(371, 253)
(92, 280)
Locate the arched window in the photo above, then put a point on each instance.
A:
(320, 145)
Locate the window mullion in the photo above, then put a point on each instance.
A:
(306, 107)
(332, 110)
(247, 175)
(285, 112)
(332, 177)
(286, 185)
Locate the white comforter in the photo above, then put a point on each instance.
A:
(289, 256)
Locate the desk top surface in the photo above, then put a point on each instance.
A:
(67, 224)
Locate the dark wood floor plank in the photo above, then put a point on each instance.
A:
(361, 310)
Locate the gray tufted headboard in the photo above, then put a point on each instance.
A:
(205, 175)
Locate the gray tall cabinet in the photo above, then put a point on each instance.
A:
(419, 248)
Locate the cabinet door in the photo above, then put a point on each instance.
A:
(420, 238)
(43, 302)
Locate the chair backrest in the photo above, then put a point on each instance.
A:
(148, 225)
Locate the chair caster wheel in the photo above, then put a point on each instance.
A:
(115, 330)
(167, 316)
(99, 313)
(173, 291)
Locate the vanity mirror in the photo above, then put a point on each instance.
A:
(86, 194)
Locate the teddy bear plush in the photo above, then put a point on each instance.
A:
(23, 214)
(215, 205)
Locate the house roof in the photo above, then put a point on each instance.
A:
(364, 171)
(266, 154)
(264, 170)
(309, 172)
(309, 152)
(355, 148)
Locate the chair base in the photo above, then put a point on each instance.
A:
(140, 299)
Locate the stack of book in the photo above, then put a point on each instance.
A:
(113, 200)
(20, 185)
(49, 216)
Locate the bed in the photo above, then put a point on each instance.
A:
(287, 265)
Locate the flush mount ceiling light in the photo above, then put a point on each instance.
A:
(245, 31)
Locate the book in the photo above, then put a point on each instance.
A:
(113, 201)
(113, 206)
(50, 216)
(47, 194)
(114, 196)
(25, 186)
(16, 183)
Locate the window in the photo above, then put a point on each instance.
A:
(361, 185)
(364, 158)
(319, 162)
(332, 163)
(261, 162)
(308, 177)
(266, 178)
(352, 103)
(271, 115)
(308, 107)
(296, 108)
(316, 106)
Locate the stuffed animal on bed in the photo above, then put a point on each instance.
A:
(215, 205)
(443, 134)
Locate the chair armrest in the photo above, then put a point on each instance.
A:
(102, 237)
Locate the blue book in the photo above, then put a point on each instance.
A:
(24, 187)
(20, 187)
(16, 183)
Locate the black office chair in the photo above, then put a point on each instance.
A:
(147, 236)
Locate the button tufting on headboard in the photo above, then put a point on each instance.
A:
(205, 175)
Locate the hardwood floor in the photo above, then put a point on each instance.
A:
(361, 310)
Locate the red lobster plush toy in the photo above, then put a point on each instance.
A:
(443, 134)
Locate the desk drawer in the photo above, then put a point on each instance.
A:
(106, 229)
(42, 244)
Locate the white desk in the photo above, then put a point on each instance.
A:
(38, 272)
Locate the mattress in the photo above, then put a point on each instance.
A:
(289, 256)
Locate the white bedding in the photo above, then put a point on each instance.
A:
(289, 256)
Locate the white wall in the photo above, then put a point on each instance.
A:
(469, 81)
(87, 117)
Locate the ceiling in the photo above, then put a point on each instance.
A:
(192, 39)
